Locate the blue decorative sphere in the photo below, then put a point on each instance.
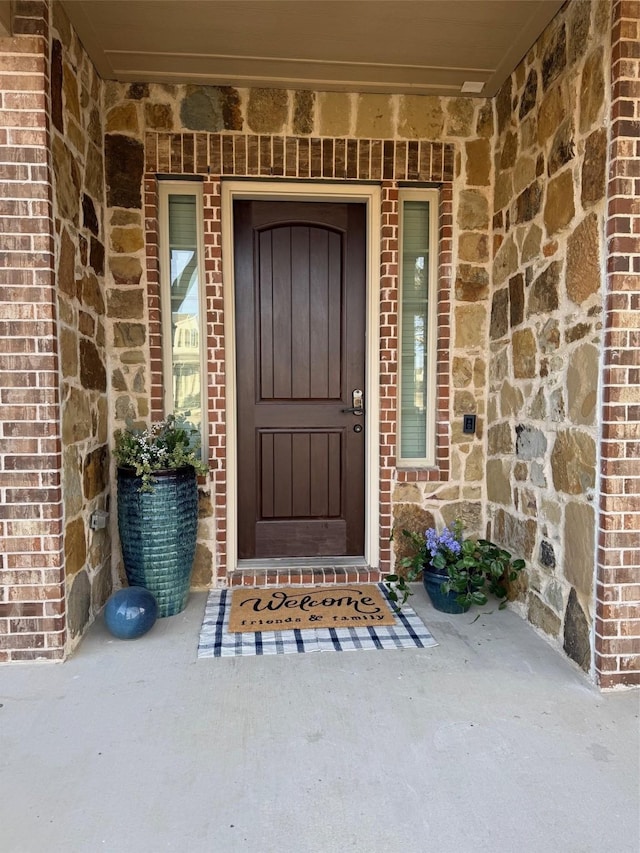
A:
(130, 612)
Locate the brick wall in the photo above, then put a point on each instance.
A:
(215, 369)
(56, 574)
(216, 392)
(31, 563)
(390, 475)
(618, 587)
(293, 157)
(526, 178)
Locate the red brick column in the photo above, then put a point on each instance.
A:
(32, 603)
(215, 376)
(617, 642)
(156, 405)
(389, 250)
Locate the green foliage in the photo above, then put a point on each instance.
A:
(171, 443)
(480, 568)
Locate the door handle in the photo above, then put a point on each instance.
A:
(358, 403)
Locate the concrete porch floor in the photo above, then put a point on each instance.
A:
(490, 741)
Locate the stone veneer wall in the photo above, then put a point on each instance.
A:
(547, 332)
(55, 573)
(213, 132)
(547, 317)
(78, 211)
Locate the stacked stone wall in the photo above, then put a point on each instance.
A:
(537, 310)
(214, 133)
(546, 328)
(78, 213)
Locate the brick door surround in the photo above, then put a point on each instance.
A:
(215, 157)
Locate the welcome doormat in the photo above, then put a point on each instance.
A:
(350, 606)
(216, 640)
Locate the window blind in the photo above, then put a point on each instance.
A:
(414, 329)
(182, 221)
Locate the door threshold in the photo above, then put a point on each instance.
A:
(300, 563)
(313, 571)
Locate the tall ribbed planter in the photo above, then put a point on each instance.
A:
(158, 533)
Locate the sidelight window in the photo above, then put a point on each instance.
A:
(181, 255)
(418, 301)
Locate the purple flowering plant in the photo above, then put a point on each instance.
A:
(473, 568)
(444, 547)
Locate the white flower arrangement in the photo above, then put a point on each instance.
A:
(171, 443)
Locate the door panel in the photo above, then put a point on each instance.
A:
(316, 459)
(300, 322)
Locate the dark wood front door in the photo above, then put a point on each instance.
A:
(300, 296)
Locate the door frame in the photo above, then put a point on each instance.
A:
(370, 195)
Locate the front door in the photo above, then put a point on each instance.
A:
(300, 297)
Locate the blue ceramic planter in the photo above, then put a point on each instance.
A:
(445, 602)
(158, 532)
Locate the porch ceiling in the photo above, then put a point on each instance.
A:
(426, 47)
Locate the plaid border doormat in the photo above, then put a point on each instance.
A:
(215, 640)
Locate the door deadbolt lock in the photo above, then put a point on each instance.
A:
(357, 428)
(357, 403)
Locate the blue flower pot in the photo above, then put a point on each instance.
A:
(445, 602)
(158, 532)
